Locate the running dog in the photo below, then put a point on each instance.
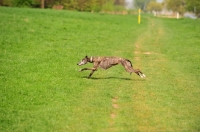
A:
(107, 62)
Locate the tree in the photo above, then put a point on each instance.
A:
(42, 3)
(141, 4)
(176, 5)
(22, 3)
(80, 5)
(119, 2)
(193, 5)
(154, 6)
(6, 2)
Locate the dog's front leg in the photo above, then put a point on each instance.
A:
(91, 73)
(93, 70)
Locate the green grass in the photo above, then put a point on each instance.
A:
(42, 90)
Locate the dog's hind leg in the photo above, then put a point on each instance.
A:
(129, 68)
(142, 74)
(127, 65)
(139, 73)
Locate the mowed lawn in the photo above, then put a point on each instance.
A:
(41, 88)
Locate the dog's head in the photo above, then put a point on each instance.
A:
(84, 61)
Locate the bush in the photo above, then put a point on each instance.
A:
(7, 2)
(22, 3)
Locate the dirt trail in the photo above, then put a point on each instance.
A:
(161, 102)
(142, 109)
(142, 39)
(113, 113)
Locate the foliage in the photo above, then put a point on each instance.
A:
(154, 6)
(183, 5)
(21, 3)
(176, 5)
(193, 5)
(108, 6)
(141, 4)
(119, 2)
(6, 2)
(79, 5)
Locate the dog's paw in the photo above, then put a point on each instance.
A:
(80, 70)
(144, 75)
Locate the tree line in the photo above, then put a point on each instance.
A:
(79, 5)
(179, 6)
(108, 5)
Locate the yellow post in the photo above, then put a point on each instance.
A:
(139, 16)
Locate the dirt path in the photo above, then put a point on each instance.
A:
(164, 101)
(142, 109)
(139, 105)
(113, 114)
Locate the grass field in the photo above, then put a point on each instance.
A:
(42, 90)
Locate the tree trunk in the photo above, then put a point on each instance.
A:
(42, 4)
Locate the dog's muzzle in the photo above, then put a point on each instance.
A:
(80, 63)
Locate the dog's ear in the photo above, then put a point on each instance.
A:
(86, 56)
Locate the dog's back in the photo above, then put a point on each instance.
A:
(107, 62)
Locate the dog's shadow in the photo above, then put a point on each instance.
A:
(119, 78)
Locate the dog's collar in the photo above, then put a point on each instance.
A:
(91, 59)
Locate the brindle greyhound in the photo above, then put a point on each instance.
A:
(107, 62)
